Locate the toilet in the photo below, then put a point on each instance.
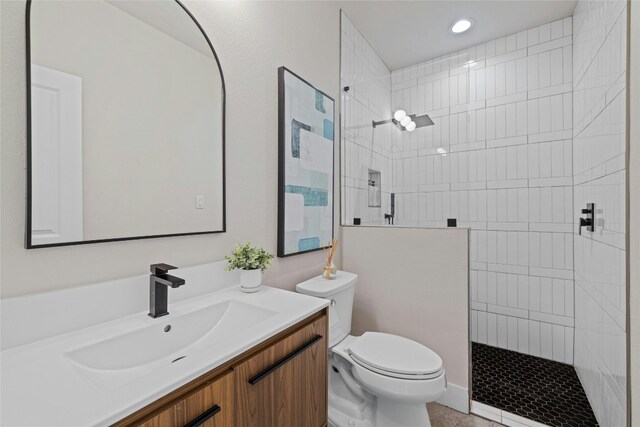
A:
(376, 379)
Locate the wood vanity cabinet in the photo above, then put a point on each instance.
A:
(286, 383)
(210, 405)
(281, 382)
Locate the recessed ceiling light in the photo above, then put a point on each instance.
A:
(461, 26)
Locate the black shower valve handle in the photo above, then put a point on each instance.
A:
(583, 222)
(589, 221)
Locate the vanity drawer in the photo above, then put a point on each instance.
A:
(286, 383)
(209, 406)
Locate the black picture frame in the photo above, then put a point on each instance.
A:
(29, 166)
(282, 147)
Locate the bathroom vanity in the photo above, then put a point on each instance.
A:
(280, 382)
(222, 358)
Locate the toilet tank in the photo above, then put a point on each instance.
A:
(340, 291)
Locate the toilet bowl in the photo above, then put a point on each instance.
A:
(376, 379)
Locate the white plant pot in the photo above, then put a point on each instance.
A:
(250, 280)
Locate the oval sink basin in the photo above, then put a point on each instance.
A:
(169, 338)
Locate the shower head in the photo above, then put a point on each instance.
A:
(420, 121)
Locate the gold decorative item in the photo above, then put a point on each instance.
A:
(329, 269)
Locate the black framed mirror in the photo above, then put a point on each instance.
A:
(125, 123)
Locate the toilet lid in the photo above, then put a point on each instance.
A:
(392, 354)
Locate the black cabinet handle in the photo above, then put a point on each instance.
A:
(265, 372)
(200, 419)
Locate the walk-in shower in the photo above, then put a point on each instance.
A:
(515, 138)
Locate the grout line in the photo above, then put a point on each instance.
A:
(607, 104)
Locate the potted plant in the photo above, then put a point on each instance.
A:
(251, 261)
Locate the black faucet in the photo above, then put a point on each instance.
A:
(159, 282)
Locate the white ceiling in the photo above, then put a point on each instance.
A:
(168, 17)
(404, 33)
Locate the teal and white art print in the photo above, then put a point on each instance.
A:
(305, 197)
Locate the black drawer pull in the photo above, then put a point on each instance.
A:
(200, 419)
(265, 372)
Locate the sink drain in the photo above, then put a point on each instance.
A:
(179, 358)
(167, 328)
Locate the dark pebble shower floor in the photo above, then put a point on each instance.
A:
(535, 388)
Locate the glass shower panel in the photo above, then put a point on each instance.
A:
(366, 173)
(393, 173)
(428, 164)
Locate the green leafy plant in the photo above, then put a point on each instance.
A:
(247, 257)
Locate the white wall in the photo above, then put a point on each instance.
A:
(149, 138)
(412, 285)
(505, 123)
(363, 148)
(252, 40)
(599, 176)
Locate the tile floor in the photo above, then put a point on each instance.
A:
(530, 387)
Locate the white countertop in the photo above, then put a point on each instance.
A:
(41, 386)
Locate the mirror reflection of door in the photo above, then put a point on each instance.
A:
(56, 150)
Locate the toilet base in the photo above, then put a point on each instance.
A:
(388, 414)
(350, 405)
(347, 409)
(339, 419)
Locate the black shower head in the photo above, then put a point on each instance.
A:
(421, 121)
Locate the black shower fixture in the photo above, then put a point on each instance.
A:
(406, 122)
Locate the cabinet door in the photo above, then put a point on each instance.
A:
(209, 406)
(286, 384)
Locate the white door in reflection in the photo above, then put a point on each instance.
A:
(56, 126)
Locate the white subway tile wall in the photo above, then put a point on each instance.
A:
(363, 148)
(519, 121)
(503, 115)
(599, 82)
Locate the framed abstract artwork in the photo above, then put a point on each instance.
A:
(305, 166)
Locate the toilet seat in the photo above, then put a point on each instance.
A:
(395, 356)
(383, 380)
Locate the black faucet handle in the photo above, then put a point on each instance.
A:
(161, 268)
